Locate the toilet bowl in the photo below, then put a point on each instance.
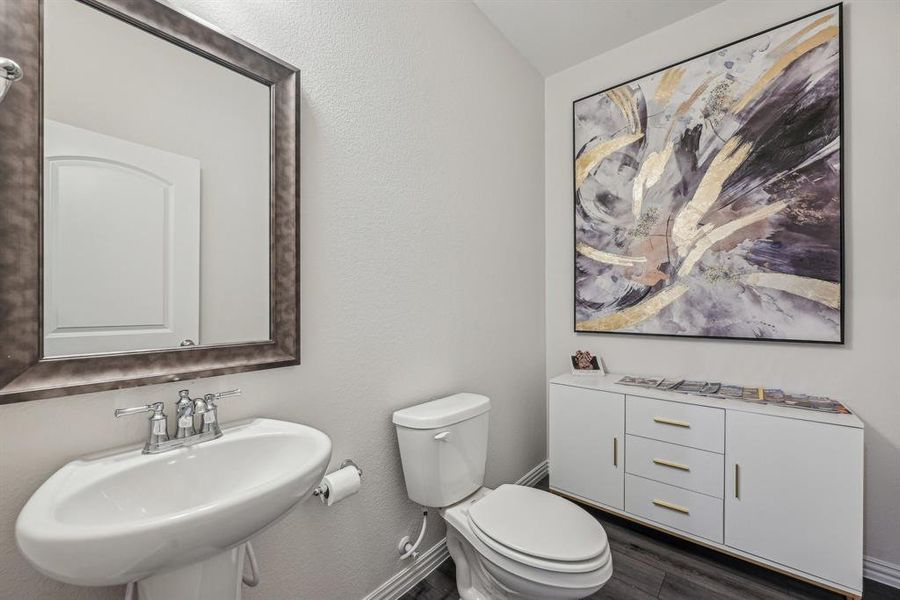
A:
(510, 542)
(528, 544)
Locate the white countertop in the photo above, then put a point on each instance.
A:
(608, 383)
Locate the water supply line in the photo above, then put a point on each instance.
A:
(408, 549)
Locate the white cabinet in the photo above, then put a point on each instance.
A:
(790, 497)
(794, 494)
(587, 442)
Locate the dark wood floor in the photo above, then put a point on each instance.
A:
(650, 564)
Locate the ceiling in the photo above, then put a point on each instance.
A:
(556, 34)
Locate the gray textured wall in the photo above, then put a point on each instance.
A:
(422, 275)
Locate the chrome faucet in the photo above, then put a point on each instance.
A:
(204, 409)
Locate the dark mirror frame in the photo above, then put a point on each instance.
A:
(24, 374)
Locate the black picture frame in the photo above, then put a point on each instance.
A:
(841, 187)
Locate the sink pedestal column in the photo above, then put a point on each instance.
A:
(216, 578)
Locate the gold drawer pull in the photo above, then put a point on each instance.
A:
(669, 463)
(672, 422)
(670, 506)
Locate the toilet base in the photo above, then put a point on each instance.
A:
(473, 582)
(479, 579)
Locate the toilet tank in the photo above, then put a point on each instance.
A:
(443, 448)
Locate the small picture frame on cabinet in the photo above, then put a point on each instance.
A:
(585, 363)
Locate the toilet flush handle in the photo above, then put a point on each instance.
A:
(442, 436)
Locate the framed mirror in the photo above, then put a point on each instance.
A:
(150, 188)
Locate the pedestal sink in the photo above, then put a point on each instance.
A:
(174, 522)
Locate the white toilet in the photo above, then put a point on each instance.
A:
(511, 542)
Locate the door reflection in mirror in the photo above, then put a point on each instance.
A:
(156, 192)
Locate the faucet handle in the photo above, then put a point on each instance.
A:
(210, 413)
(225, 394)
(211, 398)
(156, 408)
(159, 430)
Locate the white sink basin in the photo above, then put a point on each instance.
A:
(128, 516)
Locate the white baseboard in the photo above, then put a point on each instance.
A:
(428, 561)
(534, 476)
(881, 571)
(402, 582)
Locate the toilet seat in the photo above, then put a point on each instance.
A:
(539, 529)
(586, 566)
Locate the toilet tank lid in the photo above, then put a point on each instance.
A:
(442, 412)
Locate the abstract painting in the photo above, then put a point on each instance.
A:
(708, 194)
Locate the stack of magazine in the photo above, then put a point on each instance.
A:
(737, 392)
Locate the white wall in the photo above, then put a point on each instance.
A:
(863, 372)
(422, 274)
(105, 75)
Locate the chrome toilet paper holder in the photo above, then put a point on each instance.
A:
(321, 490)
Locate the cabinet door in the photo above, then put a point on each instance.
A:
(793, 494)
(587, 444)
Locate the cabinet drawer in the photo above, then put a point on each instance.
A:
(674, 507)
(686, 424)
(689, 468)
